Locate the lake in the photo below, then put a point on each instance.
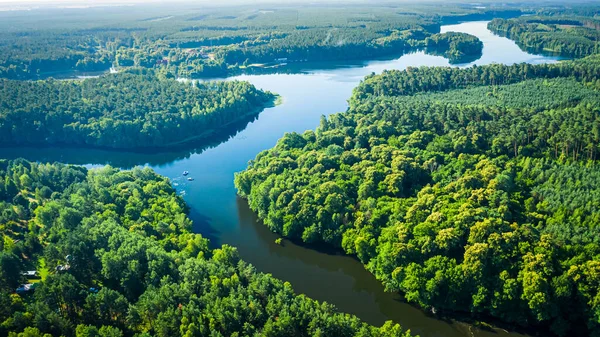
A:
(225, 219)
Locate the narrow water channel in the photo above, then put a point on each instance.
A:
(225, 219)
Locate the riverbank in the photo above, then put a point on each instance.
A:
(131, 110)
(275, 101)
(188, 144)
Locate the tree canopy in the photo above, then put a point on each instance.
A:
(565, 35)
(456, 47)
(136, 109)
(468, 190)
(117, 258)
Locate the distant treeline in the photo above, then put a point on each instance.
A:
(572, 37)
(222, 41)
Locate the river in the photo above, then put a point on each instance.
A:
(225, 219)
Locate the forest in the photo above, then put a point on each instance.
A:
(467, 190)
(472, 192)
(115, 257)
(128, 110)
(565, 35)
(214, 42)
(456, 47)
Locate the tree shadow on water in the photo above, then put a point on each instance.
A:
(124, 158)
(203, 225)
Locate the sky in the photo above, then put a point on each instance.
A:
(72, 2)
(78, 2)
(100, 2)
(16, 4)
(89, 3)
(86, 3)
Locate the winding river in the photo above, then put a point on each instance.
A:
(225, 219)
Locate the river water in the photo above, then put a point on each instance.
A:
(225, 219)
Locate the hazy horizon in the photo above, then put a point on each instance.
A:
(247, 2)
(93, 3)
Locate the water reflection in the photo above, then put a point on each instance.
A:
(338, 276)
(129, 158)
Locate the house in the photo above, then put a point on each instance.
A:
(61, 268)
(25, 288)
(30, 273)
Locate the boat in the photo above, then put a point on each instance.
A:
(185, 173)
(190, 179)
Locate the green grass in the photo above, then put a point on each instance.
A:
(42, 269)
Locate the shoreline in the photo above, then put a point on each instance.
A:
(275, 101)
(176, 145)
(468, 319)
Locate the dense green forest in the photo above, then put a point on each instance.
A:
(470, 190)
(565, 35)
(473, 191)
(116, 257)
(456, 47)
(192, 42)
(127, 110)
